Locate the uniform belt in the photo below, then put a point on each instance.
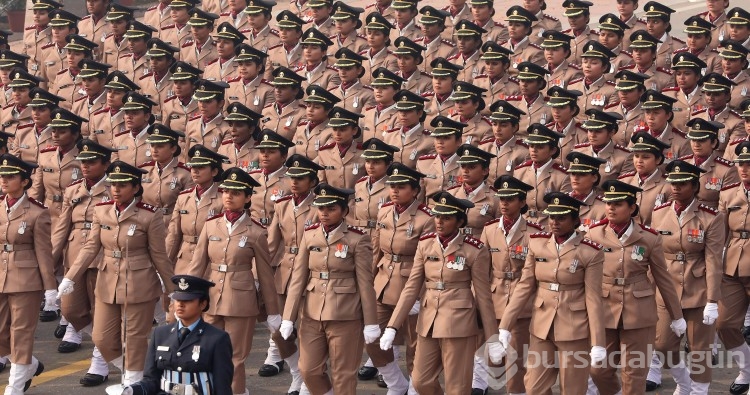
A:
(175, 382)
(57, 198)
(17, 247)
(190, 239)
(506, 275)
(441, 285)
(178, 389)
(558, 287)
(741, 234)
(625, 280)
(82, 225)
(292, 250)
(332, 275)
(399, 258)
(122, 254)
(370, 223)
(682, 256)
(224, 268)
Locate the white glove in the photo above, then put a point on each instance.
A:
(710, 313)
(257, 285)
(597, 354)
(127, 391)
(371, 332)
(386, 341)
(415, 309)
(496, 351)
(678, 327)
(66, 286)
(273, 322)
(286, 329)
(50, 300)
(504, 338)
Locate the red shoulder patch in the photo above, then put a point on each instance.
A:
(661, 206)
(146, 206)
(599, 223)
(258, 223)
(183, 166)
(313, 226)
(559, 167)
(235, 79)
(184, 191)
(473, 241)
(591, 244)
(671, 89)
(487, 140)
(327, 146)
(108, 202)
(430, 235)
(48, 149)
(648, 229)
(524, 164)
(540, 235)
(48, 45)
(626, 175)
(425, 209)
(387, 204)
(127, 55)
(81, 99)
(577, 80)
(730, 186)
(699, 111)
(214, 61)
(76, 182)
(102, 111)
(25, 126)
(427, 157)
(219, 215)
(611, 105)
(356, 229)
(723, 161)
(362, 180)
(36, 202)
(665, 71)
(147, 164)
(679, 132)
(187, 44)
(708, 209)
(194, 117)
(582, 145)
(534, 225)
(146, 75)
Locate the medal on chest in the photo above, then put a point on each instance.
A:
(518, 251)
(638, 253)
(131, 230)
(22, 228)
(573, 266)
(695, 235)
(341, 251)
(196, 353)
(243, 242)
(456, 263)
(714, 183)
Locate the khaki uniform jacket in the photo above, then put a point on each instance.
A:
(132, 150)
(536, 112)
(708, 56)
(552, 179)
(395, 243)
(384, 58)
(377, 125)
(246, 158)
(632, 121)
(579, 42)
(33, 41)
(217, 70)
(95, 31)
(354, 41)
(679, 145)
(12, 119)
(29, 267)
(411, 31)
(132, 243)
(112, 51)
(341, 172)
(479, 128)
(729, 151)
(285, 236)
(307, 142)
(175, 36)
(619, 159)
(496, 32)
(660, 77)
(231, 261)
(356, 98)
(438, 48)
(303, 11)
(656, 191)
(189, 53)
(51, 61)
(734, 125)
(508, 253)
(69, 88)
(471, 66)
(632, 305)
(327, 287)
(286, 121)
(157, 18)
(572, 314)
(524, 51)
(720, 32)
(272, 188)
(507, 156)
(699, 236)
(73, 227)
(665, 51)
(7, 96)
(209, 135)
(592, 211)
(188, 218)
(256, 95)
(279, 56)
(486, 207)
(622, 59)
(52, 177)
(264, 39)
(328, 27)
(683, 110)
(451, 20)
(501, 89)
(563, 74)
(634, 23)
(574, 135)
(433, 107)
(719, 172)
(323, 75)
(455, 311)
(215, 6)
(103, 126)
(543, 23)
(27, 144)
(162, 190)
(419, 143)
(240, 21)
(739, 91)
(85, 108)
(133, 68)
(733, 203)
(158, 92)
(439, 175)
(368, 199)
(598, 95)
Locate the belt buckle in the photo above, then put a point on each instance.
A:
(680, 256)
(293, 250)
(619, 281)
(57, 198)
(554, 287)
(164, 210)
(371, 223)
(87, 225)
(223, 268)
(395, 258)
(8, 247)
(323, 275)
(744, 234)
(264, 221)
(531, 213)
(177, 389)
(439, 285)
(509, 275)
(117, 254)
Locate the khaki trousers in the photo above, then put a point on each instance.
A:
(407, 335)
(519, 342)
(700, 338)
(108, 326)
(452, 356)
(240, 330)
(339, 343)
(18, 321)
(631, 348)
(78, 306)
(548, 358)
(735, 296)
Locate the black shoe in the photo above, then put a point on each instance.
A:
(651, 386)
(381, 382)
(92, 380)
(293, 393)
(47, 316)
(39, 370)
(738, 389)
(477, 391)
(271, 370)
(60, 331)
(367, 373)
(67, 347)
(2, 366)
(746, 333)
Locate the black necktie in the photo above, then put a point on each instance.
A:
(183, 334)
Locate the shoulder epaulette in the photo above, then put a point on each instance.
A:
(147, 164)
(730, 186)
(426, 132)
(649, 229)
(48, 45)
(454, 56)
(521, 143)
(453, 187)
(723, 161)
(363, 179)
(611, 83)
(26, 125)
(102, 111)
(184, 191)
(387, 204)
(219, 215)
(601, 222)
(235, 79)
(524, 164)
(31, 27)
(86, 17)
(274, 47)
(429, 235)
(127, 55)
(451, 43)
(560, 167)
(540, 235)
(630, 54)
(622, 147)
(679, 132)
(487, 120)
(678, 40)
(80, 99)
(146, 206)
(268, 105)
(499, 24)
(368, 87)
(213, 61)
(425, 209)
(735, 113)
(152, 8)
(487, 140)
(428, 94)
(255, 171)
(574, 66)
(665, 71)
(108, 202)
(274, 32)
(187, 43)
(686, 157)
(513, 98)
(172, 26)
(473, 241)
(48, 149)
(708, 209)
(534, 225)
(628, 67)
(702, 110)
(426, 157)
(671, 89)
(183, 166)
(227, 142)
(110, 34)
(548, 16)
(362, 36)
(681, 50)
(194, 117)
(146, 75)
(737, 141)
(122, 132)
(9, 105)
(327, 146)
(577, 80)
(313, 226)
(370, 5)
(611, 105)
(661, 206)
(76, 182)
(582, 145)
(535, 46)
(227, 13)
(592, 244)
(356, 229)
(625, 175)
(258, 223)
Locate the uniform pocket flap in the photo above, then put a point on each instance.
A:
(539, 302)
(462, 303)
(493, 287)
(139, 264)
(605, 292)
(310, 286)
(405, 272)
(243, 285)
(642, 293)
(699, 271)
(350, 289)
(578, 306)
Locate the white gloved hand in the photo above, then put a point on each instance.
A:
(127, 391)
(371, 332)
(273, 322)
(66, 286)
(504, 338)
(597, 354)
(386, 341)
(415, 309)
(286, 329)
(678, 327)
(496, 351)
(710, 313)
(50, 300)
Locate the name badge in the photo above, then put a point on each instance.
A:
(214, 238)
(106, 227)
(162, 348)
(316, 249)
(183, 211)
(433, 258)
(540, 259)
(665, 232)
(607, 249)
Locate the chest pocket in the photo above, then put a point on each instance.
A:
(163, 359)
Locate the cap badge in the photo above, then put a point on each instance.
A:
(117, 169)
(556, 201)
(265, 138)
(233, 177)
(58, 116)
(323, 192)
(505, 184)
(640, 139)
(466, 152)
(5, 161)
(442, 200)
(612, 188)
(677, 169)
(183, 284)
(395, 171)
(296, 163)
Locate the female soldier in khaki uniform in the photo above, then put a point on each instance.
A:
(693, 235)
(584, 181)
(131, 235)
(507, 239)
(371, 192)
(509, 151)
(240, 148)
(194, 206)
(231, 248)
(475, 167)
(632, 251)
(449, 265)
(334, 270)
(314, 132)
(341, 159)
(648, 155)
(28, 270)
(69, 235)
(441, 169)
(130, 143)
(32, 137)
